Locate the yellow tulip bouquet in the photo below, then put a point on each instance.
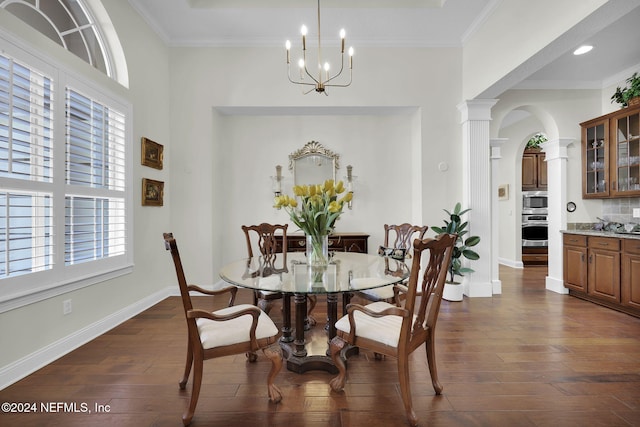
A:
(317, 212)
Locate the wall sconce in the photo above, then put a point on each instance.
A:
(276, 182)
(350, 178)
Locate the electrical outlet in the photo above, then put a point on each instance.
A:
(636, 212)
(66, 307)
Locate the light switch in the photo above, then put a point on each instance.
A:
(636, 212)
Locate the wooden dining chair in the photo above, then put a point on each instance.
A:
(232, 330)
(397, 245)
(261, 239)
(397, 331)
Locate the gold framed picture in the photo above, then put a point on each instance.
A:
(152, 153)
(152, 192)
(503, 192)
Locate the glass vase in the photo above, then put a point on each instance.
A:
(317, 250)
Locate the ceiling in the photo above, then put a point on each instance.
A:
(412, 23)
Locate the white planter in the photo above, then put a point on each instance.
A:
(453, 291)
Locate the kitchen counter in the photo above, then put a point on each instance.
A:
(598, 233)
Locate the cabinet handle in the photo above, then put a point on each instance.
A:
(591, 259)
(582, 257)
(302, 243)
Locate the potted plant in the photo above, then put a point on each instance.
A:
(454, 225)
(535, 141)
(630, 94)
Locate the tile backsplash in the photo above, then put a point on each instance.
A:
(620, 210)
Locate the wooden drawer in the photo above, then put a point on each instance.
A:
(631, 246)
(574, 240)
(605, 243)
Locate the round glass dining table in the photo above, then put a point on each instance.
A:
(289, 274)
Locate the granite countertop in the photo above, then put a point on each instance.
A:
(600, 233)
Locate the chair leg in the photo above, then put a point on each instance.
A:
(195, 390)
(405, 390)
(187, 367)
(265, 305)
(274, 353)
(336, 346)
(232, 300)
(431, 359)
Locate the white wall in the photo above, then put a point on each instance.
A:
(373, 145)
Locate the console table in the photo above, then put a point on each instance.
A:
(338, 242)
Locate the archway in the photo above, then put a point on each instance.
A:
(516, 124)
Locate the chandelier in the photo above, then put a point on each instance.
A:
(323, 78)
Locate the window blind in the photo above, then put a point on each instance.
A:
(95, 227)
(26, 122)
(95, 144)
(26, 233)
(26, 154)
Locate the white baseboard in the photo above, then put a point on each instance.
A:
(511, 263)
(555, 285)
(21, 368)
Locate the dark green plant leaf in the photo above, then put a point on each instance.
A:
(469, 254)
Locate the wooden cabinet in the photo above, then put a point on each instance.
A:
(625, 150)
(611, 155)
(575, 262)
(604, 270)
(341, 242)
(534, 170)
(630, 286)
(534, 255)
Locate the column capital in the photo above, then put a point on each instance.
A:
(476, 109)
(496, 144)
(556, 148)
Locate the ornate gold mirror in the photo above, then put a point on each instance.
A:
(313, 164)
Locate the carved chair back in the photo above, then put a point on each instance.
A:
(430, 287)
(402, 236)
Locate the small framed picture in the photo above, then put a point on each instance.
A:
(503, 192)
(152, 153)
(152, 192)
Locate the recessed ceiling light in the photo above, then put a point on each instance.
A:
(582, 49)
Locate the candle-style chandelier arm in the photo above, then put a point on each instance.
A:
(319, 84)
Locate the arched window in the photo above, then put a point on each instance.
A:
(68, 23)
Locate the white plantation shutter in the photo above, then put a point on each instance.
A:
(26, 130)
(25, 233)
(95, 227)
(26, 120)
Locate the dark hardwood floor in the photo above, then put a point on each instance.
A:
(528, 357)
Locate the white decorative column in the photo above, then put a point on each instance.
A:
(496, 146)
(556, 158)
(476, 116)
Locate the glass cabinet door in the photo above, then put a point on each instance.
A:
(627, 153)
(596, 155)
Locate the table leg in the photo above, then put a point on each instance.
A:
(300, 301)
(332, 314)
(286, 321)
(346, 299)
